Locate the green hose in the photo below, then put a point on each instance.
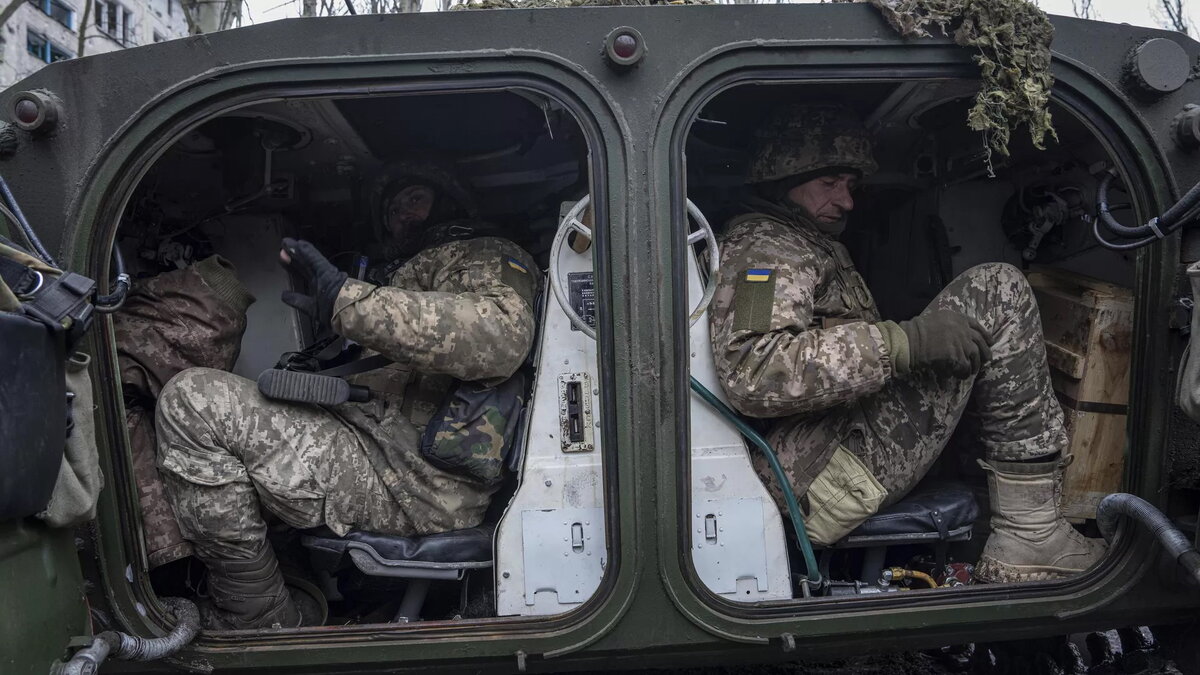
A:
(813, 575)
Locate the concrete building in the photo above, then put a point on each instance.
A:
(44, 31)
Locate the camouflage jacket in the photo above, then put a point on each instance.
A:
(459, 311)
(793, 333)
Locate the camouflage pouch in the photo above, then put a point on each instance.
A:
(473, 431)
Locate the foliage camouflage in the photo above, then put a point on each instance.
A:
(1012, 38)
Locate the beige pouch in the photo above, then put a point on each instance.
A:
(841, 497)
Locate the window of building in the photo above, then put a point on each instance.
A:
(42, 48)
(115, 21)
(57, 10)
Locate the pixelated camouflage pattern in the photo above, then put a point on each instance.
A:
(193, 317)
(835, 386)
(477, 424)
(180, 319)
(164, 541)
(800, 138)
(224, 449)
(449, 311)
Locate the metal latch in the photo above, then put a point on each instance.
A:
(577, 537)
(710, 528)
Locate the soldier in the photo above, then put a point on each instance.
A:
(456, 310)
(862, 407)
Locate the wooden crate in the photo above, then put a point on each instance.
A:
(1088, 326)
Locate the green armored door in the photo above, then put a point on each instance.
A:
(40, 580)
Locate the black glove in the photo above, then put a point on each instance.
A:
(322, 277)
(947, 343)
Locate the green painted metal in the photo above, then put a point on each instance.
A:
(43, 596)
(121, 110)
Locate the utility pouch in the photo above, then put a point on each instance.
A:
(42, 313)
(79, 481)
(472, 433)
(1188, 393)
(841, 497)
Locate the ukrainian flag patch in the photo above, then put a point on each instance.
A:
(759, 275)
(516, 265)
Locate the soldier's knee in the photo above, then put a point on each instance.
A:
(997, 275)
(183, 394)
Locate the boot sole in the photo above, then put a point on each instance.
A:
(992, 571)
(299, 387)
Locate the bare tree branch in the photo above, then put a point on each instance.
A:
(1174, 17)
(84, 23)
(9, 9)
(1083, 9)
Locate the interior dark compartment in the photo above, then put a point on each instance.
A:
(313, 169)
(929, 213)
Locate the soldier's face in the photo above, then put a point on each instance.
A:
(409, 208)
(827, 198)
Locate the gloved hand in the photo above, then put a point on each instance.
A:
(323, 278)
(942, 341)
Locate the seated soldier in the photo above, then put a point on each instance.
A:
(865, 406)
(451, 310)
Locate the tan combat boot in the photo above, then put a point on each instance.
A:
(1030, 540)
(247, 594)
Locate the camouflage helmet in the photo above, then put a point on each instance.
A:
(799, 139)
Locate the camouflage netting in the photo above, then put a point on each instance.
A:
(1013, 40)
(533, 4)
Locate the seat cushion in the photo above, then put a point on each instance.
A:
(467, 548)
(940, 511)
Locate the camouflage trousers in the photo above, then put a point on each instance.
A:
(226, 453)
(1009, 405)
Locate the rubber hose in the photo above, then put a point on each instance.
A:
(813, 573)
(107, 304)
(132, 648)
(1112, 507)
(187, 624)
(1167, 222)
(23, 223)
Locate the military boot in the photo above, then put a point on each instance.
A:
(248, 594)
(1030, 540)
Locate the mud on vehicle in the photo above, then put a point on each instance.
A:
(630, 528)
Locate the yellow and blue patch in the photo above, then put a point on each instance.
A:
(516, 265)
(759, 275)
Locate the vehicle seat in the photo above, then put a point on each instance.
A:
(935, 513)
(445, 556)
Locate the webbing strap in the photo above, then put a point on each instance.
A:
(20, 279)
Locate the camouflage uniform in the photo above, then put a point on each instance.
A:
(193, 317)
(807, 350)
(459, 311)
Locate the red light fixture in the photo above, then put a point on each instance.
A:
(624, 47)
(35, 111)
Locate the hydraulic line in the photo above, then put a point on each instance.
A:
(132, 648)
(813, 573)
(1182, 212)
(1112, 507)
(902, 573)
(16, 214)
(106, 304)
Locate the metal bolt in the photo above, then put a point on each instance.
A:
(505, 575)
(549, 482)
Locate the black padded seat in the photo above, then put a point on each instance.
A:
(458, 549)
(445, 556)
(937, 512)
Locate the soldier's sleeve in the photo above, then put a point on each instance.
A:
(475, 322)
(770, 361)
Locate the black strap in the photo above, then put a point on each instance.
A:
(21, 279)
(360, 366)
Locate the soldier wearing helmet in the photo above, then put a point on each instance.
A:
(860, 407)
(460, 309)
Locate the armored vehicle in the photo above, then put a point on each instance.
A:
(632, 529)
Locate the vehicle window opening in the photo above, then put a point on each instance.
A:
(894, 498)
(340, 304)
